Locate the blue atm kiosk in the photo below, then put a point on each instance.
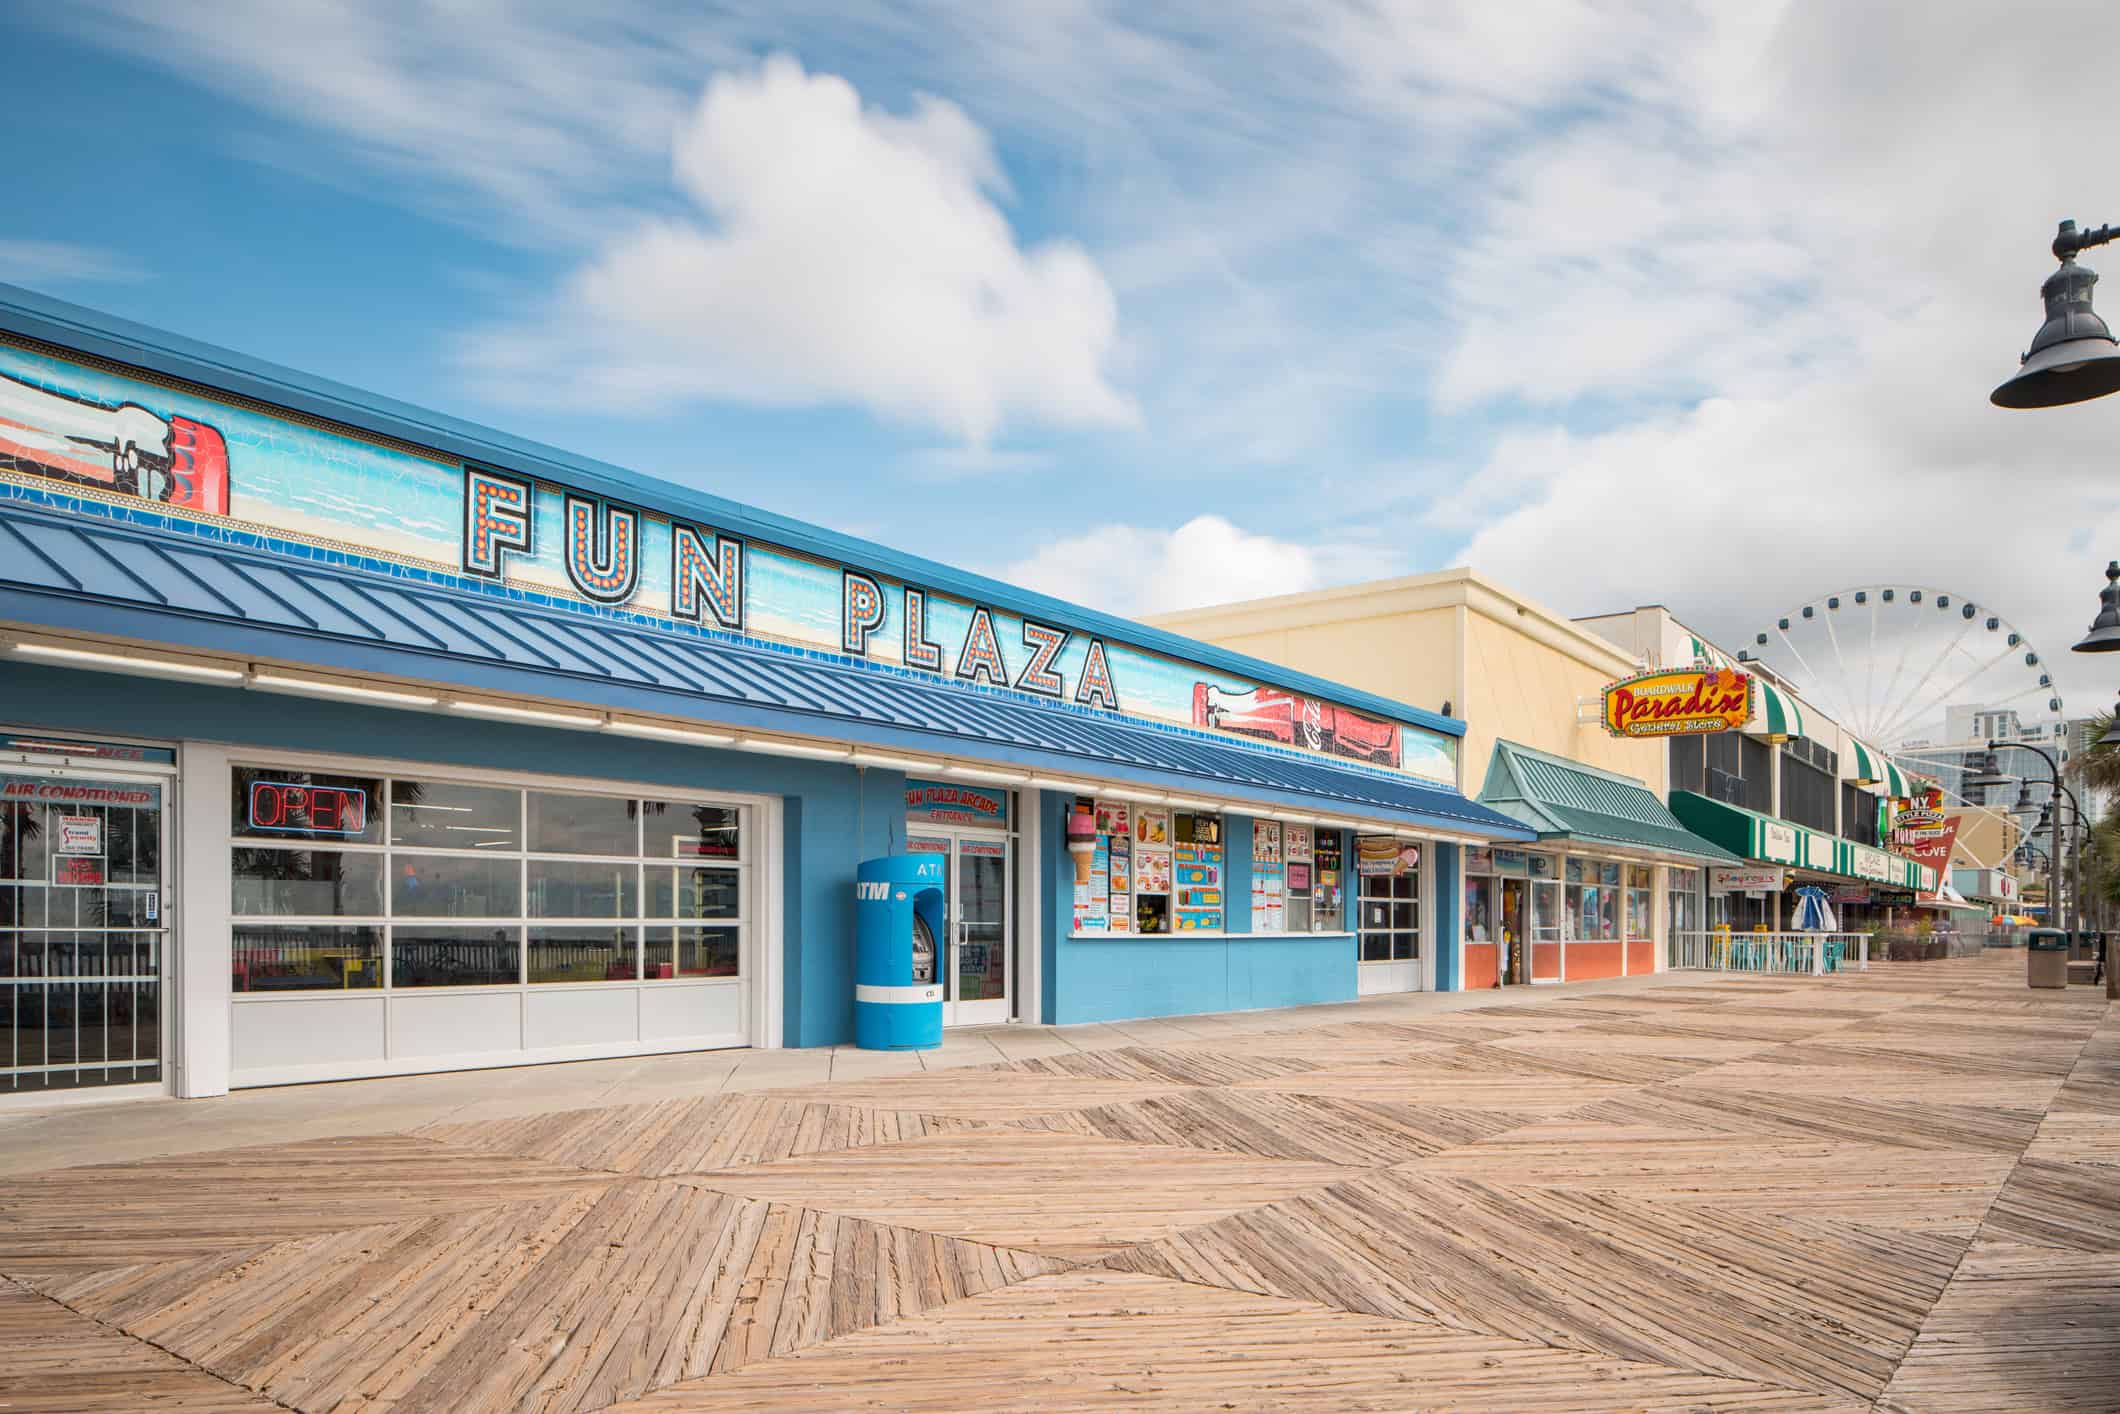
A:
(898, 922)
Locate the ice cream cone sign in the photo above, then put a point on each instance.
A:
(1081, 841)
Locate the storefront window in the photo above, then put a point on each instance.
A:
(306, 883)
(1149, 870)
(307, 957)
(1329, 890)
(584, 824)
(1683, 898)
(455, 957)
(1269, 889)
(1592, 899)
(1297, 841)
(1479, 909)
(452, 897)
(447, 815)
(584, 954)
(1388, 880)
(1640, 900)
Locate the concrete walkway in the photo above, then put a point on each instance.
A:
(1891, 1190)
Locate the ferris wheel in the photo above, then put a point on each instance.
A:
(1922, 677)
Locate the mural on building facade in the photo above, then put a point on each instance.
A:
(67, 422)
(118, 446)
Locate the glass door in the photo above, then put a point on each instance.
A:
(1545, 930)
(978, 933)
(83, 936)
(1514, 959)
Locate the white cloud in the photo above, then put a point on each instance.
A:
(1132, 570)
(40, 262)
(839, 255)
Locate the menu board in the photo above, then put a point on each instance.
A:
(1328, 885)
(1196, 872)
(1269, 907)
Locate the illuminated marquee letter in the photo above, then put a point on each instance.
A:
(703, 583)
(1095, 689)
(860, 610)
(1046, 645)
(920, 651)
(980, 658)
(603, 549)
(496, 520)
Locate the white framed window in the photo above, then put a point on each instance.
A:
(1388, 899)
(352, 880)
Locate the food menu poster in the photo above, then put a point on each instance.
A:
(1120, 899)
(1092, 915)
(1197, 872)
(1269, 905)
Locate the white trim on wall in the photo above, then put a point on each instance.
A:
(200, 951)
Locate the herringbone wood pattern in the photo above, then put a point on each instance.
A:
(1897, 1190)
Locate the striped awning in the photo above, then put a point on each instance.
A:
(1774, 711)
(1870, 763)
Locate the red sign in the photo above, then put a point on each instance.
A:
(1923, 833)
(300, 809)
(77, 871)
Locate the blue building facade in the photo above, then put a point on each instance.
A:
(340, 738)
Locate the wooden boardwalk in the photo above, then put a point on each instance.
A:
(1897, 1190)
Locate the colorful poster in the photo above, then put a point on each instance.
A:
(1152, 871)
(1385, 856)
(98, 443)
(1296, 843)
(1151, 827)
(1265, 842)
(1112, 818)
(1298, 878)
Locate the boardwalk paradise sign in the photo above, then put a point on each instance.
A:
(1683, 702)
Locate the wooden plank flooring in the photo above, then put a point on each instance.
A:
(1897, 1189)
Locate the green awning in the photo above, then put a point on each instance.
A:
(1870, 763)
(1753, 836)
(1901, 788)
(1774, 710)
(1566, 800)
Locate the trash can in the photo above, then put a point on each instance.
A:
(898, 920)
(2046, 957)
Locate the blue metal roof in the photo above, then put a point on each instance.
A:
(81, 566)
(71, 326)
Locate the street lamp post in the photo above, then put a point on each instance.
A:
(2073, 357)
(1986, 773)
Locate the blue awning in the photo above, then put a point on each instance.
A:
(218, 590)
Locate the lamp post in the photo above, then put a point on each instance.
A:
(2073, 357)
(1986, 773)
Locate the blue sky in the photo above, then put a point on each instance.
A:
(1151, 306)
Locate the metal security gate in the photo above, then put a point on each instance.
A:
(84, 937)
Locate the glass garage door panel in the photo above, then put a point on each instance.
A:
(81, 933)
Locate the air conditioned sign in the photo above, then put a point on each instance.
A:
(1687, 702)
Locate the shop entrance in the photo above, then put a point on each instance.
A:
(1516, 958)
(978, 935)
(84, 939)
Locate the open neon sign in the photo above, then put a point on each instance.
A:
(289, 808)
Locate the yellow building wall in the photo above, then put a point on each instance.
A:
(1522, 690)
(1507, 668)
(1406, 656)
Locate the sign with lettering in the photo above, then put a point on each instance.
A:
(294, 808)
(945, 803)
(1683, 702)
(97, 442)
(1740, 881)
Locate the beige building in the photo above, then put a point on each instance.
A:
(1455, 642)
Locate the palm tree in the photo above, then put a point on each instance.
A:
(2099, 767)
